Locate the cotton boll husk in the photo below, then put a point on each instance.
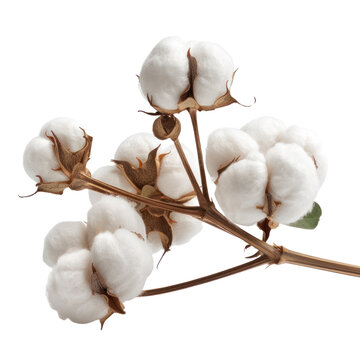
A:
(224, 145)
(63, 237)
(241, 189)
(67, 130)
(69, 290)
(311, 143)
(293, 181)
(112, 213)
(112, 175)
(39, 159)
(173, 180)
(215, 70)
(124, 262)
(266, 131)
(164, 74)
(184, 228)
(137, 146)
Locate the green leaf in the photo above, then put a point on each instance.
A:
(310, 220)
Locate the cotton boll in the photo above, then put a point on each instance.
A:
(266, 131)
(63, 237)
(240, 190)
(311, 143)
(69, 290)
(112, 213)
(39, 159)
(293, 181)
(136, 146)
(224, 145)
(215, 70)
(113, 176)
(124, 262)
(173, 180)
(164, 74)
(67, 130)
(153, 241)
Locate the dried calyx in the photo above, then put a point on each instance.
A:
(167, 127)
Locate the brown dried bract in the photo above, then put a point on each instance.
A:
(145, 174)
(98, 286)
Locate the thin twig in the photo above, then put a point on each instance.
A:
(202, 200)
(205, 279)
(193, 115)
(93, 184)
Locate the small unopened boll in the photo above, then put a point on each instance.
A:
(112, 213)
(164, 76)
(39, 157)
(225, 145)
(293, 181)
(111, 175)
(69, 289)
(266, 131)
(62, 238)
(240, 189)
(124, 262)
(311, 143)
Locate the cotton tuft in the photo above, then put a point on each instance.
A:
(215, 70)
(225, 145)
(62, 238)
(124, 262)
(240, 190)
(293, 181)
(164, 74)
(266, 131)
(111, 214)
(69, 289)
(137, 146)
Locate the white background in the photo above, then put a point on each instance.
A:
(79, 59)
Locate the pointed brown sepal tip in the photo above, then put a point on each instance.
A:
(145, 175)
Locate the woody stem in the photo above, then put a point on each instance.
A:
(193, 116)
(205, 279)
(93, 184)
(201, 198)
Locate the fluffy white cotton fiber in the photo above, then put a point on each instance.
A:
(215, 70)
(111, 175)
(69, 290)
(224, 145)
(137, 146)
(311, 143)
(67, 130)
(241, 190)
(164, 74)
(111, 214)
(39, 157)
(293, 181)
(173, 180)
(64, 237)
(124, 262)
(266, 131)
